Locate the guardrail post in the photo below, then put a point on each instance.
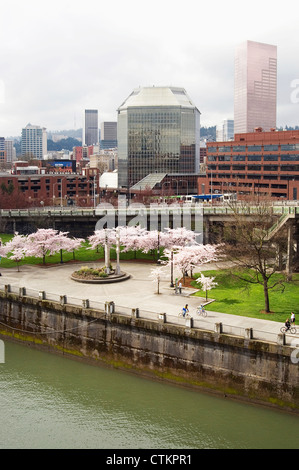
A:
(109, 307)
(135, 313)
(22, 291)
(189, 322)
(162, 317)
(63, 300)
(7, 289)
(85, 303)
(281, 339)
(218, 328)
(248, 333)
(42, 295)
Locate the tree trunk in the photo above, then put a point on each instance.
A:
(266, 297)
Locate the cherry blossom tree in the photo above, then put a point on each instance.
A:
(75, 243)
(178, 237)
(131, 238)
(157, 275)
(15, 249)
(150, 242)
(101, 237)
(67, 244)
(45, 242)
(186, 258)
(207, 283)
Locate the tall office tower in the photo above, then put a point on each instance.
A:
(91, 127)
(9, 147)
(2, 150)
(225, 131)
(108, 135)
(255, 87)
(158, 132)
(34, 141)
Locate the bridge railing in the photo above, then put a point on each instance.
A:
(282, 210)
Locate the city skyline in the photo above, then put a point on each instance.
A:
(49, 79)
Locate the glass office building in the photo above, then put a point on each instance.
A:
(91, 127)
(255, 87)
(158, 132)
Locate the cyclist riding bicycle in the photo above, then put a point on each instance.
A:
(185, 310)
(287, 324)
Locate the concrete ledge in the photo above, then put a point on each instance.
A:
(105, 280)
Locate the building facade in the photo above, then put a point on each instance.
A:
(10, 151)
(91, 127)
(34, 141)
(255, 93)
(256, 163)
(158, 132)
(36, 189)
(225, 131)
(108, 135)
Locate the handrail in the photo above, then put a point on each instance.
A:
(100, 306)
(290, 210)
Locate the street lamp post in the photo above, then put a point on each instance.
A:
(177, 186)
(117, 271)
(94, 192)
(187, 185)
(171, 269)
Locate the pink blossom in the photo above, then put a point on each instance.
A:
(45, 242)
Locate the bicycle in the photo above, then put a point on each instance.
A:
(291, 330)
(201, 311)
(181, 314)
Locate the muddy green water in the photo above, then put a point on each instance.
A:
(53, 402)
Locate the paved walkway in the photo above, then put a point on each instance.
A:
(137, 292)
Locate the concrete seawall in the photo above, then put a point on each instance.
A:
(239, 367)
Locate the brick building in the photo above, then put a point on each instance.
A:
(263, 163)
(50, 189)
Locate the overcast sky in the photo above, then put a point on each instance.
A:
(58, 58)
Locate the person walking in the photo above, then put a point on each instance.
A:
(180, 287)
(293, 317)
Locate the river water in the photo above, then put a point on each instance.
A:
(54, 402)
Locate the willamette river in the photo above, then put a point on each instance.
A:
(53, 402)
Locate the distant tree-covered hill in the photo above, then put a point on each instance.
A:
(208, 132)
(63, 144)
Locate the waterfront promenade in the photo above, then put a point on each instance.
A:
(140, 291)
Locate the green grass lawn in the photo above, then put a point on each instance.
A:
(239, 298)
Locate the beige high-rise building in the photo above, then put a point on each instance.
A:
(255, 94)
(34, 141)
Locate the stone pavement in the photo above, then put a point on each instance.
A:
(140, 291)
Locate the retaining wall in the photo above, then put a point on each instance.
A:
(240, 367)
